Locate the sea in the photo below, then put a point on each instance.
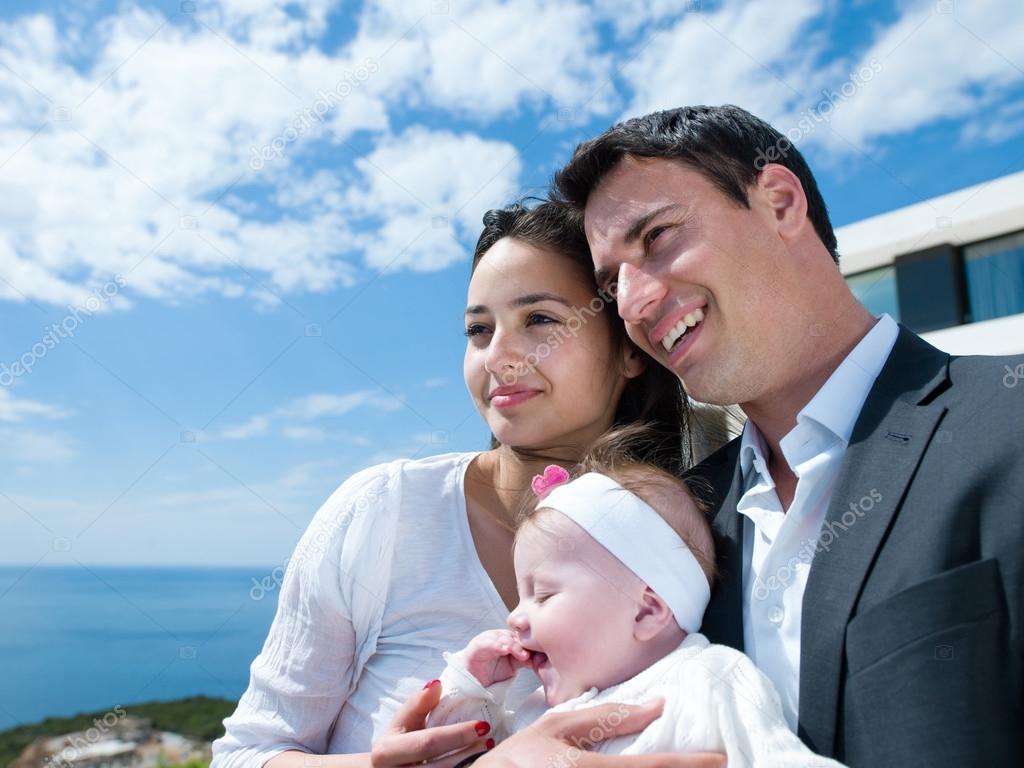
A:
(87, 638)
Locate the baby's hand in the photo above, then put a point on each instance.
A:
(494, 656)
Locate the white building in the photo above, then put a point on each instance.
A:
(950, 268)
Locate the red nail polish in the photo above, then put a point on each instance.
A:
(431, 683)
(482, 728)
(489, 744)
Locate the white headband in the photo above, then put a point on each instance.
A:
(639, 537)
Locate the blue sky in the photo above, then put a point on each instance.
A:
(242, 338)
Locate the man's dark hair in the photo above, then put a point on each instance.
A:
(727, 144)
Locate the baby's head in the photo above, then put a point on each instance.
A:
(587, 617)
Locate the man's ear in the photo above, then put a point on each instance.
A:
(634, 360)
(781, 192)
(652, 616)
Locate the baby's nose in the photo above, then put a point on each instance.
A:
(517, 621)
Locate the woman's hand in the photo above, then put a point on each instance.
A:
(494, 656)
(563, 738)
(409, 742)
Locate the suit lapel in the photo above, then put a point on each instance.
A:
(723, 619)
(886, 446)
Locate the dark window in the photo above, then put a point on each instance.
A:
(930, 288)
(876, 290)
(995, 277)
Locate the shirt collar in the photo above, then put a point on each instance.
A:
(837, 404)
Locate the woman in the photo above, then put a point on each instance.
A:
(407, 559)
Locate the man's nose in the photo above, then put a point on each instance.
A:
(637, 294)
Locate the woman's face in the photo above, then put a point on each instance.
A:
(541, 363)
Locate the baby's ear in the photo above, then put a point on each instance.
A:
(652, 616)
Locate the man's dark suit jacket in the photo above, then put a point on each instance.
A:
(911, 640)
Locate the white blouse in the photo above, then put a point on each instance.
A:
(436, 594)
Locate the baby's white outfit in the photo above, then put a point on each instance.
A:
(716, 700)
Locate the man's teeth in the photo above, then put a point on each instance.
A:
(681, 328)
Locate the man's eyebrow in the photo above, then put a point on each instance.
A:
(522, 301)
(640, 224)
(632, 235)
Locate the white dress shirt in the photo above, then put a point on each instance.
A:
(779, 545)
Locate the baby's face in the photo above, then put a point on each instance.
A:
(577, 608)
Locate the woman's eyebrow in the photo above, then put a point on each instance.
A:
(534, 298)
(521, 301)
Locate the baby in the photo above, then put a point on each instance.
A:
(614, 566)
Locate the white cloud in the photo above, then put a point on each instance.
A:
(257, 426)
(937, 67)
(487, 59)
(740, 53)
(14, 409)
(926, 66)
(295, 418)
(139, 162)
(22, 445)
(425, 188)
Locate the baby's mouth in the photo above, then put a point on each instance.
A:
(537, 660)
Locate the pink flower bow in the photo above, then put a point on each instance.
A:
(553, 476)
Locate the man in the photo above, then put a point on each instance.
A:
(870, 518)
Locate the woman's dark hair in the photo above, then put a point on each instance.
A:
(727, 144)
(656, 395)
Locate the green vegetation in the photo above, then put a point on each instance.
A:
(198, 717)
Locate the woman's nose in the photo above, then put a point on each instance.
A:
(504, 358)
(637, 294)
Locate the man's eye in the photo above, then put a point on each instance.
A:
(652, 235)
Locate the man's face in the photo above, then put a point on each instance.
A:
(684, 256)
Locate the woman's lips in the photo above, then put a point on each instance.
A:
(513, 398)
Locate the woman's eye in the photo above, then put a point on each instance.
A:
(475, 330)
(536, 319)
